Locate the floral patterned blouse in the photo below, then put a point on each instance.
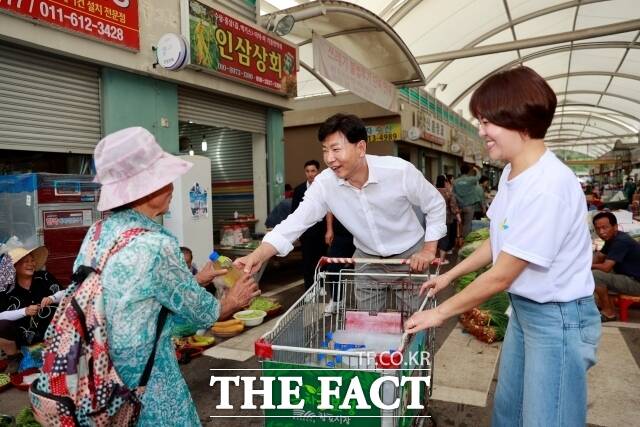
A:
(148, 273)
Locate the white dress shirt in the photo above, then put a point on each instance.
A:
(380, 215)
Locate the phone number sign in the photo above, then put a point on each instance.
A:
(236, 50)
(111, 21)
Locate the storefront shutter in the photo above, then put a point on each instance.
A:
(231, 155)
(207, 108)
(47, 103)
(245, 9)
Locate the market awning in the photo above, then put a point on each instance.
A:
(364, 35)
(588, 51)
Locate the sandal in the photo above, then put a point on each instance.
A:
(604, 318)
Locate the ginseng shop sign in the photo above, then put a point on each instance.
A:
(236, 50)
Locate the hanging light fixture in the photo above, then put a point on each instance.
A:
(190, 151)
(204, 143)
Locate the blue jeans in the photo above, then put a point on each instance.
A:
(546, 353)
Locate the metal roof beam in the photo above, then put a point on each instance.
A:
(576, 133)
(613, 110)
(621, 125)
(593, 138)
(403, 11)
(593, 73)
(317, 8)
(597, 92)
(542, 53)
(569, 36)
(343, 33)
(520, 20)
(315, 74)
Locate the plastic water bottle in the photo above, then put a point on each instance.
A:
(222, 262)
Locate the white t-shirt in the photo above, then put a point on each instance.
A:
(539, 216)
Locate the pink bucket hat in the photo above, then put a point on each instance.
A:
(130, 165)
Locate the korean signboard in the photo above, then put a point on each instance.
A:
(111, 21)
(236, 50)
(67, 219)
(339, 67)
(384, 133)
(433, 130)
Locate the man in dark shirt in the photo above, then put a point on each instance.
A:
(312, 241)
(616, 267)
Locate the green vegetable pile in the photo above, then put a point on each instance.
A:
(480, 234)
(262, 303)
(488, 322)
(25, 418)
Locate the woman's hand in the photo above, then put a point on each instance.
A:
(423, 320)
(435, 285)
(32, 310)
(208, 273)
(239, 296)
(46, 301)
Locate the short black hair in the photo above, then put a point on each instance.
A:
(483, 178)
(350, 125)
(440, 180)
(287, 187)
(611, 217)
(465, 168)
(186, 250)
(312, 163)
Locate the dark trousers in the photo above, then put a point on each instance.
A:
(341, 247)
(312, 251)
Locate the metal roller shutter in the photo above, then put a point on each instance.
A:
(231, 155)
(206, 108)
(244, 8)
(47, 103)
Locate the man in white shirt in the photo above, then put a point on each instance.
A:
(372, 196)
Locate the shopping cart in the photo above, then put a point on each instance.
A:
(362, 338)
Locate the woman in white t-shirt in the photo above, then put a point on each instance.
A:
(540, 250)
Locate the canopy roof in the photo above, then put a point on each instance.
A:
(588, 51)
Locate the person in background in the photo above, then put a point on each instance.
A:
(616, 267)
(27, 307)
(629, 189)
(188, 258)
(453, 218)
(483, 194)
(465, 188)
(149, 273)
(340, 243)
(282, 209)
(539, 251)
(312, 241)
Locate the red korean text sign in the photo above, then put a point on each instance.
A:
(240, 51)
(111, 21)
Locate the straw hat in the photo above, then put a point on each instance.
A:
(130, 165)
(40, 255)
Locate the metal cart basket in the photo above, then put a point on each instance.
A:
(359, 338)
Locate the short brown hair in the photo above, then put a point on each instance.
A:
(517, 99)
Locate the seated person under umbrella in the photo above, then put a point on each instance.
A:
(27, 305)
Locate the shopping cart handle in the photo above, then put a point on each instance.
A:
(329, 260)
(393, 261)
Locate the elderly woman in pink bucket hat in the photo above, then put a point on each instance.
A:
(150, 273)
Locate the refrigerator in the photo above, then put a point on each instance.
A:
(54, 210)
(189, 217)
